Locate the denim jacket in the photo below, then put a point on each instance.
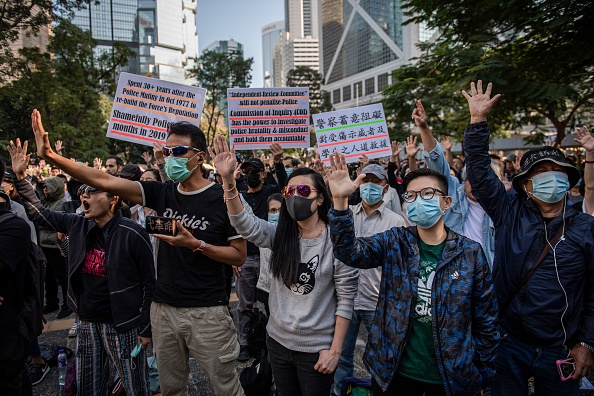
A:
(455, 217)
(465, 320)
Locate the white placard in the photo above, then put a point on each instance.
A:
(259, 117)
(143, 108)
(353, 132)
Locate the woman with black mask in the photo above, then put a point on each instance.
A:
(311, 294)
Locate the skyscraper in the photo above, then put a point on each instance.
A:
(162, 33)
(271, 35)
(362, 43)
(224, 46)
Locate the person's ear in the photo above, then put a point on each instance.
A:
(447, 201)
(114, 202)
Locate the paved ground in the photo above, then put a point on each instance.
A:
(198, 384)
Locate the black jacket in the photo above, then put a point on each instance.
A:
(128, 255)
(534, 314)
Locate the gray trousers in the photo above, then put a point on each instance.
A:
(246, 293)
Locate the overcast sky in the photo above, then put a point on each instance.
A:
(241, 20)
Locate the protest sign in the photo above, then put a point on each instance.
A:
(353, 132)
(144, 108)
(259, 117)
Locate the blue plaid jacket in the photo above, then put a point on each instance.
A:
(465, 328)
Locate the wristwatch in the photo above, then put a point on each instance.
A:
(587, 346)
(201, 247)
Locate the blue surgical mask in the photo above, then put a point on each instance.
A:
(371, 193)
(176, 168)
(425, 213)
(289, 171)
(273, 217)
(550, 187)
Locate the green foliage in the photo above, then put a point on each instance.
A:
(69, 88)
(216, 72)
(537, 53)
(305, 76)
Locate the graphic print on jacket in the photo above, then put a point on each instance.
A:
(307, 277)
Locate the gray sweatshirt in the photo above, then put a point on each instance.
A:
(302, 318)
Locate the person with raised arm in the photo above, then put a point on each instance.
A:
(310, 293)
(189, 311)
(435, 329)
(544, 263)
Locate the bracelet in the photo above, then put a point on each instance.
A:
(231, 189)
(588, 347)
(232, 198)
(588, 161)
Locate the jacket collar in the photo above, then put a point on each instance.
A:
(111, 225)
(452, 247)
(359, 208)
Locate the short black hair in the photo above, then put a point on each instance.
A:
(118, 160)
(294, 161)
(2, 169)
(184, 128)
(442, 181)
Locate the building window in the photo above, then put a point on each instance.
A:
(382, 81)
(346, 93)
(358, 89)
(336, 96)
(370, 86)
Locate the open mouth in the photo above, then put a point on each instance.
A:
(86, 206)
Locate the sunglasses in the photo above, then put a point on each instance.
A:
(302, 190)
(566, 368)
(176, 151)
(85, 189)
(247, 171)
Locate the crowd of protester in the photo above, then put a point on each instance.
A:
(473, 274)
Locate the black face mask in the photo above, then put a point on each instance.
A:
(253, 180)
(300, 208)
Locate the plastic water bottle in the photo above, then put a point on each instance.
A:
(62, 364)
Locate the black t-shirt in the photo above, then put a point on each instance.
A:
(94, 305)
(258, 202)
(185, 278)
(15, 240)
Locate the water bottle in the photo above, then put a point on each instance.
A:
(62, 363)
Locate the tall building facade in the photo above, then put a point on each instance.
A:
(271, 35)
(161, 32)
(224, 46)
(362, 43)
(299, 44)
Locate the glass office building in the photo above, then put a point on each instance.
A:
(271, 35)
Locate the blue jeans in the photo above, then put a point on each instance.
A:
(346, 366)
(294, 373)
(517, 361)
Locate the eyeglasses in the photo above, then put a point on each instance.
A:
(176, 151)
(85, 189)
(426, 193)
(302, 190)
(566, 368)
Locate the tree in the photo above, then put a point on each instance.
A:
(29, 16)
(305, 76)
(68, 87)
(216, 72)
(537, 53)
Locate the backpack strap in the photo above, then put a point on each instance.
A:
(527, 277)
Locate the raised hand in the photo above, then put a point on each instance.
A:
(147, 158)
(59, 146)
(396, 149)
(584, 138)
(447, 143)
(339, 181)
(44, 148)
(277, 152)
(158, 153)
(419, 115)
(97, 162)
(223, 157)
(411, 146)
(363, 161)
(480, 104)
(19, 157)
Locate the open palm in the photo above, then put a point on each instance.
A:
(480, 104)
(19, 157)
(223, 157)
(339, 181)
(584, 138)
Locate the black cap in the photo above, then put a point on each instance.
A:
(131, 172)
(511, 158)
(255, 162)
(541, 154)
(9, 175)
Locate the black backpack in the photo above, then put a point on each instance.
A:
(31, 313)
(256, 380)
(256, 336)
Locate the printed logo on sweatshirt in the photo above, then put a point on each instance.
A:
(307, 277)
(95, 263)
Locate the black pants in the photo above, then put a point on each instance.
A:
(402, 386)
(56, 269)
(15, 378)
